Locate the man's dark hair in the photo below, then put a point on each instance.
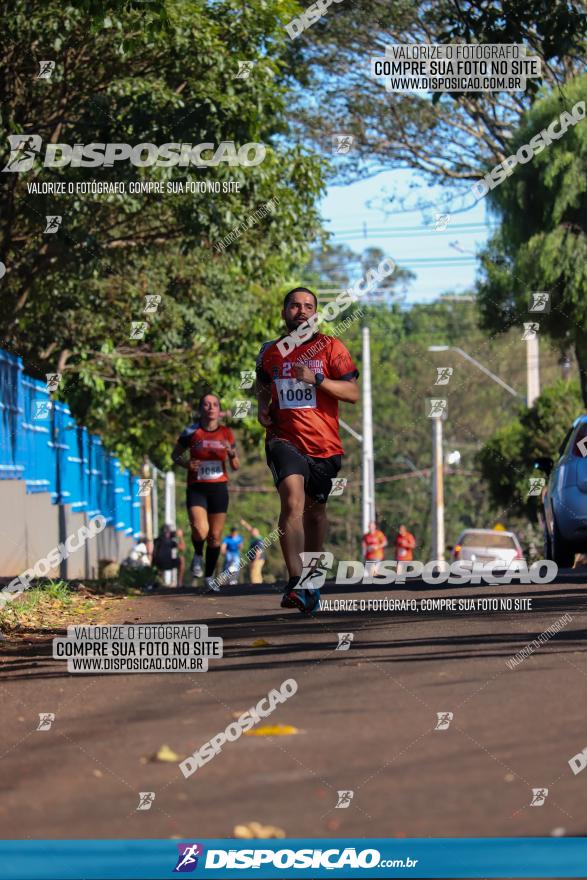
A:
(296, 290)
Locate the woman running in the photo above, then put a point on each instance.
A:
(210, 445)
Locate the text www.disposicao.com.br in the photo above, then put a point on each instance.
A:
(135, 664)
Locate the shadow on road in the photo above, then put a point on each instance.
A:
(379, 637)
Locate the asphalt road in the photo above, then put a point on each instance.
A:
(365, 718)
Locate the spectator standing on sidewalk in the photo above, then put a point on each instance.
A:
(404, 545)
(231, 550)
(255, 553)
(374, 544)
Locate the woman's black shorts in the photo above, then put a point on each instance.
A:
(213, 497)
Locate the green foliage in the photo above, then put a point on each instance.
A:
(542, 241)
(137, 577)
(447, 137)
(156, 74)
(506, 459)
(31, 600)
(403, 376)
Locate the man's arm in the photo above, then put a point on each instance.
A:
(341, 389)
(263, 393)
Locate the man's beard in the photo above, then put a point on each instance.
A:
(294, 324)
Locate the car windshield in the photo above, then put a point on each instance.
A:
(488, 539)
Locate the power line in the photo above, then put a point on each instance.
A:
(384, 231)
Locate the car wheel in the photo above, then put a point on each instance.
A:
(562, 553)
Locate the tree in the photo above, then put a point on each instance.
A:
(156, 73)
(404, 373)
(507, 457)
(338, 266)
(541, 244)
(450, 137)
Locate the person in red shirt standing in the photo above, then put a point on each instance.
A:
(210, 446)
(298, 394)
(404, 545)
(374, 543)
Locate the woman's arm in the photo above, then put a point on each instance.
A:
(233, 457)
(177, 456)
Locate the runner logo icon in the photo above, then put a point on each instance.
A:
(188, 854)
(24, 148)
(316, 565)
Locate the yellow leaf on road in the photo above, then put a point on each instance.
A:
(255, 829)
(261, 643)
(165, 754)
(273, 730)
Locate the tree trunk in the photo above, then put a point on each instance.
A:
(581, 355)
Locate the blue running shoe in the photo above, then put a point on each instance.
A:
(312, 601)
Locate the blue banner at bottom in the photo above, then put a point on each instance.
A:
(383, 858)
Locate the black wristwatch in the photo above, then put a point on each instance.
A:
(319, 379)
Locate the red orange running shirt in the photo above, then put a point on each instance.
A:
(208, 449)
(303, 414)
(371, 540)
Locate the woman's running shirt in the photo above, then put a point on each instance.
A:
(303, 414)
(372, 551)
(208, 449)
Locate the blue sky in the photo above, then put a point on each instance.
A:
(347, 209)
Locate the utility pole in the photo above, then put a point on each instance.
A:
(532, 368)
(155, 502)
(170, 499)
(148, 508)
(367, 452)
(437, 490)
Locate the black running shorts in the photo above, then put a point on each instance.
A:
(284, 459)
(213, 497)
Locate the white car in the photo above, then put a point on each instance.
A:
(488, 545)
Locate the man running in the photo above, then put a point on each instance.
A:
(374, 543)
(210, 445)
(298, 396)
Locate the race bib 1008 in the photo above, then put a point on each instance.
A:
(294, 394)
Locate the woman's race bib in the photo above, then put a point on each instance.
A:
(210, 470)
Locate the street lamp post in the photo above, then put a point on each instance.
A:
(438, 457)
(368, 458)
(532, 369)
(437, 491)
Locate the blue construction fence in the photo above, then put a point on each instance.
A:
(42, 444)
